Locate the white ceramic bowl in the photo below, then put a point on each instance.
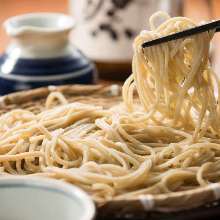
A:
(33, 198)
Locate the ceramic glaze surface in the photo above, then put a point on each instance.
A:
(39, 35)
(36, 199)
(51, 207)
(40, 54)
(105, 30)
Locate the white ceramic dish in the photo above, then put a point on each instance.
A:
(24, 198)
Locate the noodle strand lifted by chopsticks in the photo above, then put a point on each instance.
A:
(168, 140)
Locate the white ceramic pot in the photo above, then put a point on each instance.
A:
(39, 35)
(105, 29)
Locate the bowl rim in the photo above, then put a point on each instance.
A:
(56, 186)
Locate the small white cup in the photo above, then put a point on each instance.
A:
(39, 35)
(33, 198)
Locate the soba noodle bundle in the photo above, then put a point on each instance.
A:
(174, 80)
(167, 140)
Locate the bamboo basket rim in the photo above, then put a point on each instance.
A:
(167, 202)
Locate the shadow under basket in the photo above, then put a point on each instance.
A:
(195, 203)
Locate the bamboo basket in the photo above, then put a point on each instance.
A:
(107, 96)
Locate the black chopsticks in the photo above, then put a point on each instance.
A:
(215, 25)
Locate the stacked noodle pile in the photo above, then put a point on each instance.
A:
(168, 141)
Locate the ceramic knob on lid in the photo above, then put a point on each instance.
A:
(40, 54)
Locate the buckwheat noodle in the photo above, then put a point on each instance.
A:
(167, 140)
